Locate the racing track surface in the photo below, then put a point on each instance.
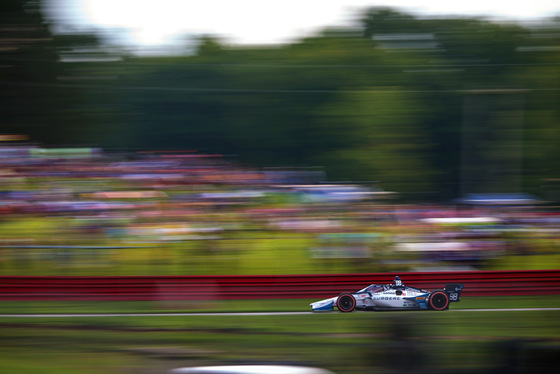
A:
(245, 313)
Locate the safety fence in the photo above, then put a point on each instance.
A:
(476, 283)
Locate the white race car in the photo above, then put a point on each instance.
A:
(394, 296)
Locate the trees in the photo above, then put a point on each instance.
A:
(389, 99)
(379, 137)
(29, 69)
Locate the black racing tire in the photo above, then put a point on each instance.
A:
(439, 300)
(346, 302)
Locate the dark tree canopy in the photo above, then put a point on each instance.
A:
(397, 98)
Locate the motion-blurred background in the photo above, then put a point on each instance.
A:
(151, 140)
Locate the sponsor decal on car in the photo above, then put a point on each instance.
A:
(421, 298)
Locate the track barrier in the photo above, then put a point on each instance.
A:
(313, 286)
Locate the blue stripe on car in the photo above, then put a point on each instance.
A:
(325, 307)
(421, 300)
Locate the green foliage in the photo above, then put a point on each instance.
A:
(389, 99)
(377, 136)
(235, 253)
(29, 66)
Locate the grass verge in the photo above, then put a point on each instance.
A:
(350, 343)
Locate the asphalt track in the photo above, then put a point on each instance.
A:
(225, 314)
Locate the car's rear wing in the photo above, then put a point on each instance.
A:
(454, 291)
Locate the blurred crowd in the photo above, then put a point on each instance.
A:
(87, 197)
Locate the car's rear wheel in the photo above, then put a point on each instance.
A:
(346, 302)
(439, 300)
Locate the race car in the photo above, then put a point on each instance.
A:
(394, 296)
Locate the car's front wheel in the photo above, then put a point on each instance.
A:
(346, 302)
